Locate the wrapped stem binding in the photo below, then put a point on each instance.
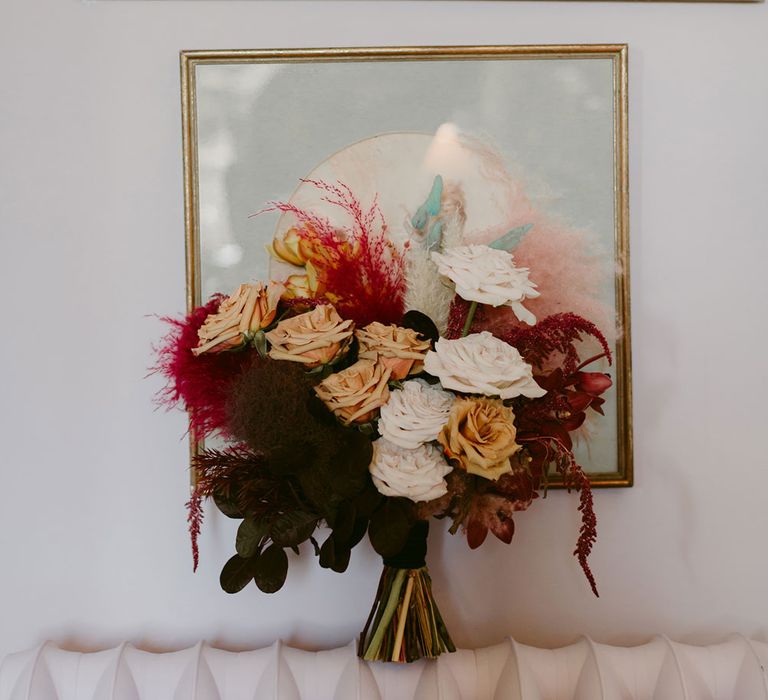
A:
(405, 623)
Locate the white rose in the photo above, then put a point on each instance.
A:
(482, 364)
(488, 276)
(414, 414)
(414, 474)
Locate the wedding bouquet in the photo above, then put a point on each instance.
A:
(379, 386)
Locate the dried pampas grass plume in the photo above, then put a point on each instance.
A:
(426, 290)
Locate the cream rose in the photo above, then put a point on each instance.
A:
(356, 393)
(398, 348)
(251, 308)
(480, 437)
(417, 474)
(480, 363)
(414, 414)
(488, 276)
(314, 338)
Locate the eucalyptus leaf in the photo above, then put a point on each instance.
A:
(249, 536)
(335, 555)
(271, 569)
(227, 505)
(344, 522)
(236, 573)
(292, 528)
(512, 238)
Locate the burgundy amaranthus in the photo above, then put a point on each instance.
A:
(359, 269)
(199, 384)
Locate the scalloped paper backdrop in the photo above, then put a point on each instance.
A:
(660, 670)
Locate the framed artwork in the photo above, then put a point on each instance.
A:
(521, 138)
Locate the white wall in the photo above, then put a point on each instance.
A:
(93, 545)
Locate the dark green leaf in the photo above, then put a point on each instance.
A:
(315, 546)
(422, 324)
(328, 553)
(236, 574)
(335, 555)
(249, 536)
(389, 527)
(344, 522)
(368, 500)
(227, 505)
(293, 528)
(358, 532)
(271, 569)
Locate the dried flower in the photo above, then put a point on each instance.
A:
(313, 338)
(399, 349)
(488, 276)
(417, 474)
(293, 247)
(480, 437)
(251, 308)
(356, 393)
(482, 364)
(298, 287)
(415, 414)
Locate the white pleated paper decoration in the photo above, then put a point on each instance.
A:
(659, 670)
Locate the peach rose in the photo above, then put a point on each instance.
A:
(480, 437)
(355, 394)
(399, 349)
(314, 338)
(250, 309)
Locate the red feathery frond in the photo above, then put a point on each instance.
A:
(195, 520)
(556, 334)
(198, 384)
(548, 449)
(358, 268)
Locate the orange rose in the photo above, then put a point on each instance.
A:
(355, 394)
(480, 437)
(399, 349)
(314, 338)
(251, 308)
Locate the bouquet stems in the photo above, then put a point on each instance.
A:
(405, 623)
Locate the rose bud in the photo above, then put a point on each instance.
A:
(292, 247)
(594, 383)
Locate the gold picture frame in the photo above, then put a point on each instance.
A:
(191, 61)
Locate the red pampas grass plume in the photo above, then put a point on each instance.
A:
(200, 385)
(358, 268)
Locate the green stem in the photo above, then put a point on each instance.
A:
(470, 318)
(389, 611)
